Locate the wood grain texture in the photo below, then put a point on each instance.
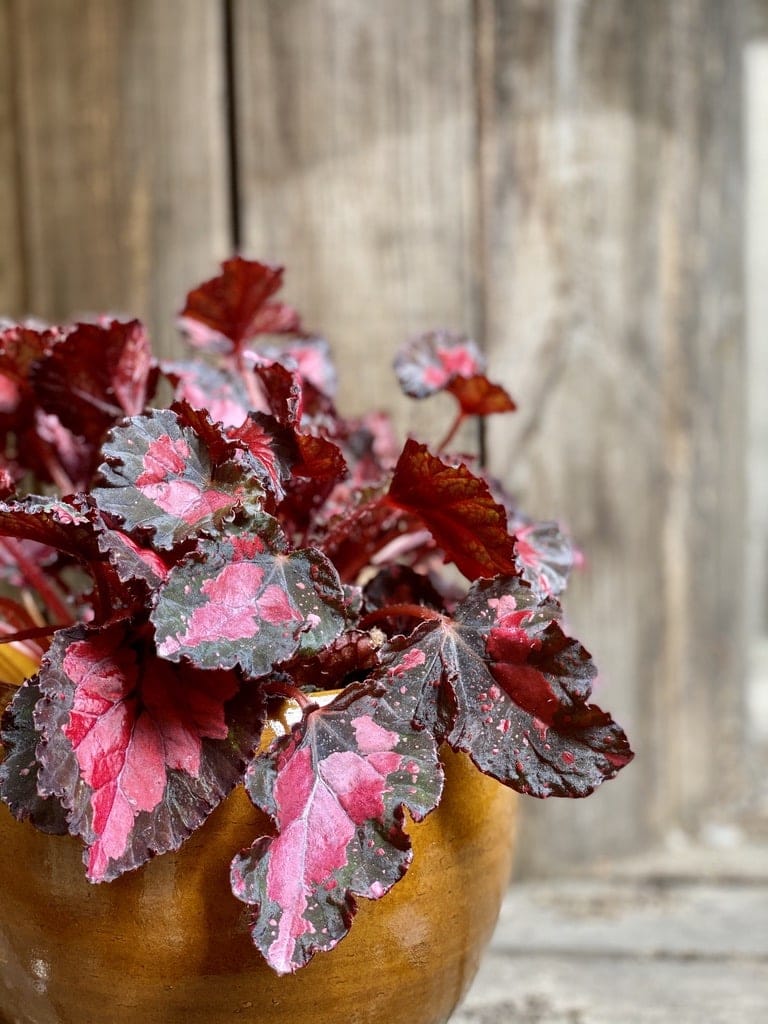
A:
(613, 203)
(11, 251)
(562, 177)
(122, 153)
(356, 139)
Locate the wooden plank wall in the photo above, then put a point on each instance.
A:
(119, 124)
(561, 178)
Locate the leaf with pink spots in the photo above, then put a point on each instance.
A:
(336, 788)
(137, 750)
(164, 477)
(245, 600)
(502, 682)
(544, 554)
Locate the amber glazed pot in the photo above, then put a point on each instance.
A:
(168, 944)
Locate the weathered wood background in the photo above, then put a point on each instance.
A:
(562, 178)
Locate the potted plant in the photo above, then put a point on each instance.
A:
(200, 550)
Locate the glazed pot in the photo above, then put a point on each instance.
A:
(169, 943)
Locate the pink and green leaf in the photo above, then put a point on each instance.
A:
(139, 751)
(336, 788)
(245, 600)
(171, 480)
(20, 767)
(311, 359)
(428, 363)
(51, 522)
(132, 561)
(443, 361)
(202, 386)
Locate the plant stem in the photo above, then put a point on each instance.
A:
(460, 417)
(288, 692)
(417, 611)
(36, 578)
(32, 633)
(248, 380)
(52, 463)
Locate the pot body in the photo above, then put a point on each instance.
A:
(169, 944)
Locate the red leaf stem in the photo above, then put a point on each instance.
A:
(288, 692)
(391, 611)
(452, 431)
(32, 633)
(246, 374)
(53, 464)
(36, 578)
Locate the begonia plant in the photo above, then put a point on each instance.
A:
(175, 570)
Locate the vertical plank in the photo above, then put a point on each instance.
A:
(356, 137)
(123, 153)
(756, 201)
(11, 251)
(756, 216)
(613, 203)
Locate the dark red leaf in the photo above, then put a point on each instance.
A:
(272, 448)
(244, 600)
(400, 585)
(139, 751)
(224, 313)
(352, 539)
(336, 789)
(477, 396)
(320, 459)
(350, 655)
(34, 440)
(99, 373)
(281, 387)
(502, 682)
(21, 348)
(457, 508)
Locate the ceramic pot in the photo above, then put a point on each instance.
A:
(168, 943)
